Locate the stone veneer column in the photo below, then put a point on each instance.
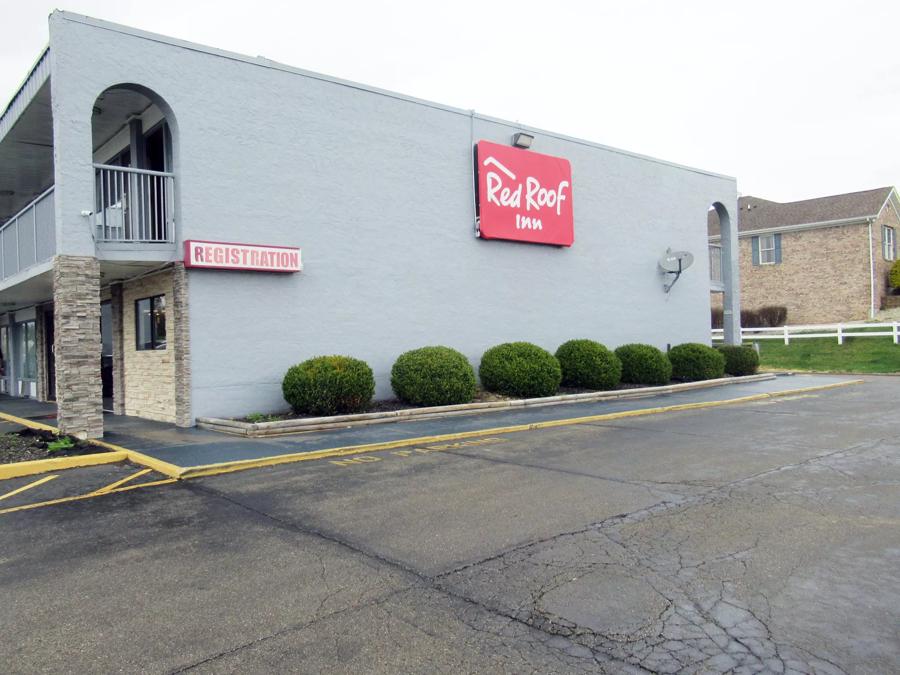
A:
(118, 348)
(182, 346)
(76, 303)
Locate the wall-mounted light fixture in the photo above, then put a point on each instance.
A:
(522, 140)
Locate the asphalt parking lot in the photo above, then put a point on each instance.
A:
(760, 537)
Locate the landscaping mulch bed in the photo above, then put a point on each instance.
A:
(31, 444)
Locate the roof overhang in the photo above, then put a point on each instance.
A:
(26, 141)
(37, 77)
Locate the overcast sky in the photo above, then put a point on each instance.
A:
(795, 99)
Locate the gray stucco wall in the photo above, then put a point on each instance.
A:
(378, 191)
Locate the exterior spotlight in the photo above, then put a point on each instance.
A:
(522, 140)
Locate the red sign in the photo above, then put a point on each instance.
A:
(220, 255)
(524, 196)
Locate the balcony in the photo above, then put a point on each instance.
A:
(715, 268)
(134, 206)
(29, 237)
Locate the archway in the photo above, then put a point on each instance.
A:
(134, 149)
(724, 269)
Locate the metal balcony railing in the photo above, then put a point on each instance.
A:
(715, 264)
(134, 205)
(29, 237)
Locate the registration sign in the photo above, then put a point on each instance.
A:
(221, 255)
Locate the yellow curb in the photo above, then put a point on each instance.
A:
(158, 465)
(33, 467)
(243, 465)
(31, 424)
(174, 472)
(90, 495)
(116, 454)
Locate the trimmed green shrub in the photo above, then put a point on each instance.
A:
(433, 376)
(644, 364)
(694, 361)
(894, 275)
(329, 385)
(739, 360)
(588, 364)
(520, 369)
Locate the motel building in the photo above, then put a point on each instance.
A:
(180, 224)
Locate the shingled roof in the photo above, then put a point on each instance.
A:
(760, 214)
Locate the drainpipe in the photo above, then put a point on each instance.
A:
(871, 275)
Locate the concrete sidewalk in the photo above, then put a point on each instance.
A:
(196, 447)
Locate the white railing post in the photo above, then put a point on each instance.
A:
(896, 333)
(840, 333)
(787, 336)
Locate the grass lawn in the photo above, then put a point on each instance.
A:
(856, 355)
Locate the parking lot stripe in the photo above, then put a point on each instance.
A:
(39, 481)
(113, 486)
(90, 495)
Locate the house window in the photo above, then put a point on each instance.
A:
(767, 250)
(150, 323)
(887, 242)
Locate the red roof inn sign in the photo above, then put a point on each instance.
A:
(524, 195)
(220, 255)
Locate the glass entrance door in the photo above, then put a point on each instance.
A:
(26, 360)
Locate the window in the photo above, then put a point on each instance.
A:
(767, 250)
(887, 242)
(150, 322)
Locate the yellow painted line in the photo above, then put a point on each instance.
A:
(34, 484)
(90, 495)
(243, 465)
(113, 486)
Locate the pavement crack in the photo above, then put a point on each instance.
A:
(288, 629)
(646, 485)
(420, 579)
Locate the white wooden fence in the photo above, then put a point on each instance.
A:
(841, 331)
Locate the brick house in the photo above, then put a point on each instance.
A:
(826, 259)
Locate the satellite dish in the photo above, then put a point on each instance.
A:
(675, 262)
